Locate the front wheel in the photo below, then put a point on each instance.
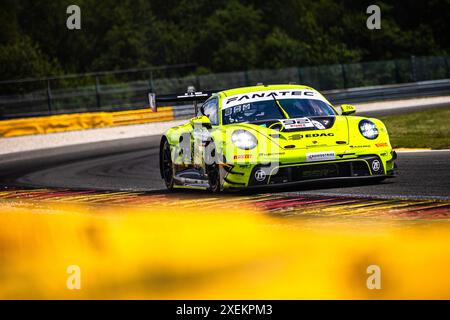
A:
(213, 171)
(214, 178)
(167, 166)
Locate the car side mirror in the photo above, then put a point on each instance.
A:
(347, 109)
(201, 121)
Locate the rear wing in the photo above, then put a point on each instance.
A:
(190, 96)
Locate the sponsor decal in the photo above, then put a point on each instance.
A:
(297, 123)
(382, 144)
(243, 156)
(269, 94)
(260, 175)
(271, 154)
(311, 135)
(319, 173)
(315, 135)
(363, 146)
(376, 165)
(320, 156)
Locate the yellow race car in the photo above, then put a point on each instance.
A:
(272, 135)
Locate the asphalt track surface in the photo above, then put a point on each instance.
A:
(133, 165)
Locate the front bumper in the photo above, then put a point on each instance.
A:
(311, 181)
(258, 175)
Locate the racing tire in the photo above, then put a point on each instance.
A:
(213, 172)
(167, 166)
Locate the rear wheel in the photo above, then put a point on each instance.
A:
(167, 166)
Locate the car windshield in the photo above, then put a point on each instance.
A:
(269, 110)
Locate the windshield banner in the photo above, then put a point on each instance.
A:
(269, 95)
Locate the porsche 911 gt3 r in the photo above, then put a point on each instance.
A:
(272, 135)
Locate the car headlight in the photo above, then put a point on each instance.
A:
(244, 139)
(368, 129)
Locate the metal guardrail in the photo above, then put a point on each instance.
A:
(390, 92)
(353, 95)
(115, 90)
(389, 79)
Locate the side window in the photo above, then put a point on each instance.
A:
(210, 109)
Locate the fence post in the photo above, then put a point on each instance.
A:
(97, 92)
(197, 82)
(247, 81)
(150, 81)
(397, 72)
(49, 98)
(446, 58)
(300, 78)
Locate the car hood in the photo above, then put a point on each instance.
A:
(335, 131)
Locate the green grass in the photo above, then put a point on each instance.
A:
(421, 129)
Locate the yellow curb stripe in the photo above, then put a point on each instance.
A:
(80, 121)
(89, 198)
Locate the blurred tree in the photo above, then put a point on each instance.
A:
(220, 36)
(9, 31)
(23, 57)
(231, 38)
